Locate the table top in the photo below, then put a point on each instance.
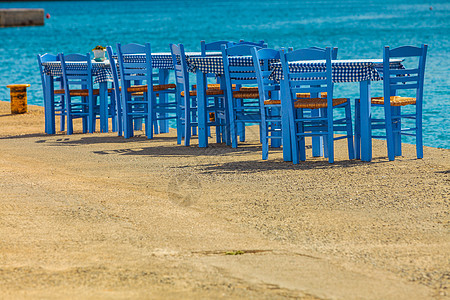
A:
(346, 70)
(343, 70)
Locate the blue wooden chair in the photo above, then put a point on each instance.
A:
(139, 91)
(408, 82)
(115, 92)
(243, 102)
(186, 98)
(78, 91)
(58, 108)
(313, 82)
(269, 97)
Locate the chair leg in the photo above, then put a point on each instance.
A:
(194, 115)
(69, 117)
(63, 117)
(330, 137)
(293, 131)
(241, 131)
(187, 121)
(265, 139)
(348, 123)
(301, 143)
(357, 130)
(389, 133)
(397, 126)
(232, 122)
(419, 135)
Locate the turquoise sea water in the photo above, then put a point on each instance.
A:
(359, 28)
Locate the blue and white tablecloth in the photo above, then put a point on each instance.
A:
(100, 70)
(214, 64)
(342, 70)
(162, 60)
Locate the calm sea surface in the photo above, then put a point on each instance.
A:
(360, 28)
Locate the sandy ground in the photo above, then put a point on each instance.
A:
(96, 216)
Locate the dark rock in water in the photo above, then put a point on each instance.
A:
(21, 17)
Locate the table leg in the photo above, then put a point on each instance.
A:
(201, 104)
(103, 106)
(365, 118)
(163, 99)
(49, 105)
(287, 150)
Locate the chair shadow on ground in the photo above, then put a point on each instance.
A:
(74, 140)
(24, 136)
(255, 166)
(214, 150)
(148, 148)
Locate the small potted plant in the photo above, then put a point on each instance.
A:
(99, 53)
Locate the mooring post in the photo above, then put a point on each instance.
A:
(18, 98)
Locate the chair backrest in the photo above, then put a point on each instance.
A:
(115, 75)
(45, 58)
(266, 85)
(180, 68)
(310, 80)
(260, 43)
(213, 46)
(238, 74)
(139, 72)
(76, 77)
(408, 78)
(334, 51)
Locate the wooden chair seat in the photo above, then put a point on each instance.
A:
(395, 100)
(272, 102)
(83, 93)
(143, 88)
(110, 90)
(216, 86)
(246, 94)
(308, 95)
(209, 92)
(249, 89)
(315, 103)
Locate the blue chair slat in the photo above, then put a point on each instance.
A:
(78, 92)
(408, 82)
(269, 98)
(243, 106)
(313, 83)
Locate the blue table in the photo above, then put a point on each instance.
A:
(100, 71)
(102, 75)
(361, 70)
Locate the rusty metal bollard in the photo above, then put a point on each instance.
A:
(18, 98)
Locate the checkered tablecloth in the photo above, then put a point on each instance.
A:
(214, 64)
(343, 70)
(162, 60)
(100, 70)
